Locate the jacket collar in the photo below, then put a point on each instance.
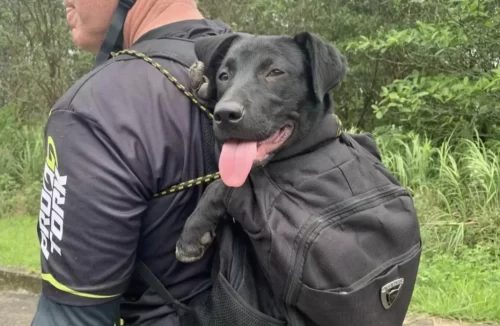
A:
(329, 128)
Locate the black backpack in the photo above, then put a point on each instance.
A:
(377, 288)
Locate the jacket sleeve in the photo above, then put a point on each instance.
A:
(91, 206)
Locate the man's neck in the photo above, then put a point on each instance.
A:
(147, 15)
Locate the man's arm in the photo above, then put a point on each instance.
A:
(89, 221)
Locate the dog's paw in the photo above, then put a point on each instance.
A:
(188, 251)
(196, 74)
(199, 82)
(203, 91)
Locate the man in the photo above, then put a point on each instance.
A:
(120, 135)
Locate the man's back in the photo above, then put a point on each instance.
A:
(115, 141)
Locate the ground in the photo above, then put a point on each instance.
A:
(17, 309)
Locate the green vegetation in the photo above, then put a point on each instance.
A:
(457, 193)
(19, 243)
(21, 163)
(463, 285)
(456, 188)
(424, 78)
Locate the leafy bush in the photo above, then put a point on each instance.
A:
(446, 73)
(21, 163)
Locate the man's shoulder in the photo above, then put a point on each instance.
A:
(123, 85)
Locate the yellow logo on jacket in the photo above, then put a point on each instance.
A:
(51, 217)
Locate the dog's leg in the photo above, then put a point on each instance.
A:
(199, 230)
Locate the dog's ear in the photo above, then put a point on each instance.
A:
(328, 66)
(210, 50)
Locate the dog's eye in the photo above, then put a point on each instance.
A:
(275, 73)
(223, 76)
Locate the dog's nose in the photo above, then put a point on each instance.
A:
(229, 112)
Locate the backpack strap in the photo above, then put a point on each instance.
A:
(182, 52)
(149, 277)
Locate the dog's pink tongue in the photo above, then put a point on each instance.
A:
(236, 160)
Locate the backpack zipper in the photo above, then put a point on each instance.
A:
(359, 204)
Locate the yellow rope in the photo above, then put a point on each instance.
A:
(193, 182)
(164, 71)
(188, 184)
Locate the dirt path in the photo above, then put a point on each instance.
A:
(17, 309)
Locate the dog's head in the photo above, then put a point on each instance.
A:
(270, 92)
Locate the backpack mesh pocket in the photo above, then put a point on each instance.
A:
(224, 306)
(240, 295)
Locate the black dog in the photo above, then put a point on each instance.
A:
(271, 92)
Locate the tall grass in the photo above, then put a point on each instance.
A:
(21, 162)
(456, 187)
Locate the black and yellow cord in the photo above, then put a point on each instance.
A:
(193, 182)
(189, 184)
(165, 72)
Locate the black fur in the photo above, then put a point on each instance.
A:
(258, 84)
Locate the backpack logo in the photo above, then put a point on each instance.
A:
(390, 292)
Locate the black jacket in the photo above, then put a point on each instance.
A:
(120, 136)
